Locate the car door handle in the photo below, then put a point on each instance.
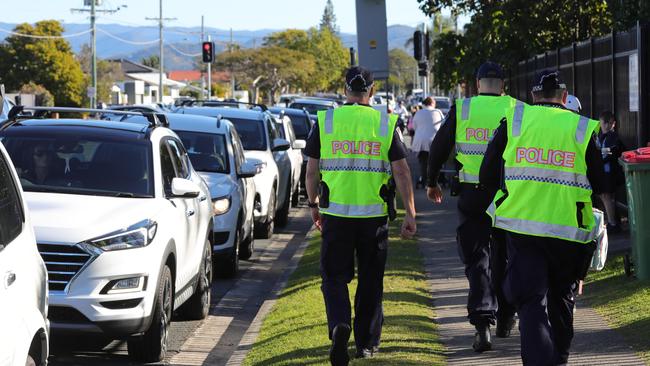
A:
(10, 278)
(190, 213)
(202, 198)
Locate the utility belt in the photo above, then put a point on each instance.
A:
(387, 192)
(456, 186)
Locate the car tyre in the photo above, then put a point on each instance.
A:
(152, 345)
(265, 230)
(282, 217)
(295, 197)
(247, 246)
(228, 265)
(198, 306)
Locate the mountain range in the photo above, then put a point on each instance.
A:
(111, 40)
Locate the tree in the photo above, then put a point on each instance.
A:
(47, 62)
(43, 96)
(107, 73)
(328, 20)
(402, 68)
(627, 12)
(152, 61)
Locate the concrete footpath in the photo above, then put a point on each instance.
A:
(594, 343)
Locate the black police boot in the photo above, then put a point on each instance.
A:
(504, 327)
(366, 352)
(482, 338)
(339, 351)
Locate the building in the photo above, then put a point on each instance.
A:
(140, 85)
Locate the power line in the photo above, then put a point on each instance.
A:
(181, 52)
(45, 37)
(137, 43)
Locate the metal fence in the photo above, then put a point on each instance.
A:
(606, 73)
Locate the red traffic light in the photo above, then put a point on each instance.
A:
(208, 52)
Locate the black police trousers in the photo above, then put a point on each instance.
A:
(473, 237)
(344, 240)
(540, 282)
(499, 259)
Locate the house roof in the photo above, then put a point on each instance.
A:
(132, 66)
(152, 78)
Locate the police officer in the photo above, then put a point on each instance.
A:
(353, 153)
(468, 128)
(545, 159)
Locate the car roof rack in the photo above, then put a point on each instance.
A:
(219, 103)
(16, 114)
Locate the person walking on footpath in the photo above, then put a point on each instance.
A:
(545, 159)
(426, 124)
(611, 149)
(468, 128)
(355, 153)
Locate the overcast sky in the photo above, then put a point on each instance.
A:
(224, 14)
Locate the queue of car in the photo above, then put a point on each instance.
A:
(110, 224)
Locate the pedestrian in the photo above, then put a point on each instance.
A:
(426, 124)
(611, 149)
(409, 126)
(546, 160)
(354, 153)
(468, 129)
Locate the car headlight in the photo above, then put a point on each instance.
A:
(260, 166)
(220, 205)
(135, 236)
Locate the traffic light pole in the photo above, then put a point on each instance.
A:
(93, 50)
(160, 66)
(209, 74)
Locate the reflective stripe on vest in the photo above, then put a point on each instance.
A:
(355, 210)
(466, 177)
(471, 149)
(518, 117)
(465, 108)
(329, 121)
(581, 131)
(570, 179)
(355, 164)
(383, 125)
(542, 228)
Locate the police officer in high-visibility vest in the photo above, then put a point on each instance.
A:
(354, 153)
(468, 127)
(545, 159)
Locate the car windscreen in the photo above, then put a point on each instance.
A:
(442, 104)
(301, 126)
(207, 152)
(60, 162)
(251, 133)
(311, 108)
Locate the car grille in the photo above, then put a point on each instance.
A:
(63, 262)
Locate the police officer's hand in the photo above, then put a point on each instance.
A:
(408, 227)
(315, 217)
(434, 194)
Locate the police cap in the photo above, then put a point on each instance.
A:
(358, 79)
(548, 80)
(490, 70)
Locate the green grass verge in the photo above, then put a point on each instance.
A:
(624, 302)
(295, 332)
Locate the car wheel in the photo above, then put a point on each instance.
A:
(283, 214)
(197, 307)
(152, 345)
(246, 246)
(265, 230)
(228, 265)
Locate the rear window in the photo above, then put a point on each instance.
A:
(251, 133)
(65, 162)
(301, 126)
(311, 108)
(442, 104)
(207, 152)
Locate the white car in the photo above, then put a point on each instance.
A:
(122, 221)
(24, 328)
(216, 152)
(260, 140)
(293, 155)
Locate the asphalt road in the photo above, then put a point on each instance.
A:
(97, 350)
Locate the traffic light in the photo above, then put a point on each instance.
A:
(208, 52)
(417, 45)
(423, 68)
(425, 47)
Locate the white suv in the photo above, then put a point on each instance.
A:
(122, 221)
(24, 328)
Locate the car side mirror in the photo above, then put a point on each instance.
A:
(299, 144)
(247, 170)
(184, 188)
(280, 145)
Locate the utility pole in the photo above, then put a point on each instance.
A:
(232, 74)
(92, 92)
(160, 20)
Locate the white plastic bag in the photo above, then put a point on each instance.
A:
(602, 243)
